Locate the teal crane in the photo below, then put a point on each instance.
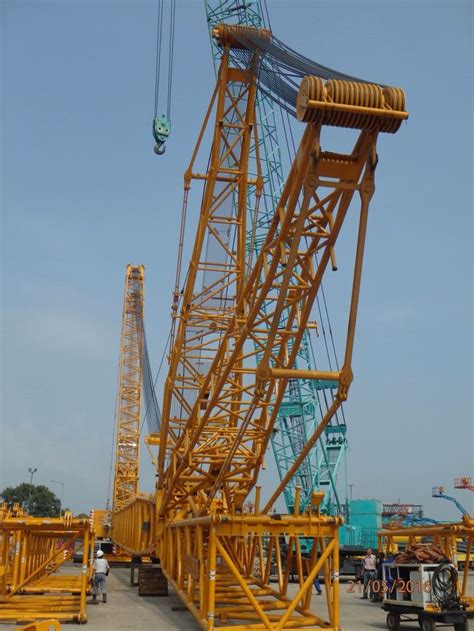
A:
(300, 411)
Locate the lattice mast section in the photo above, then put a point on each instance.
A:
(239, 333)
(300, 410)
(238, 329)
(127, 455)
(217, 271)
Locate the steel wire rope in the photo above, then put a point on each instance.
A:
(179, 263)
(152, 413)
(114, 435)
(159, 46)
(323, 295)
(291, 155)
(266, 22)
(302, 470)
(155, 380)
(171, 56)
(159, 38)
(324, 391)
(291, 67)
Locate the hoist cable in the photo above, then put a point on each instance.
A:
(159, 46)
(152, 409)
(266, 20)
(159, 28)
(114, 437)
(323, 295)
(170, 56)
(291, 151)
(155, 380)
(281, 68)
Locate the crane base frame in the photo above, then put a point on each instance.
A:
(32, 549)
(221, 565)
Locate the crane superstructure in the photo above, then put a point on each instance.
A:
(301, 407)
(129, 407)
(237, 327)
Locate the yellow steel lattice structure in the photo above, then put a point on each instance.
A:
(33, 549)
(127, 455)
(45, 625)
(237, 327)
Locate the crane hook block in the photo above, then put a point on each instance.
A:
(161, 131)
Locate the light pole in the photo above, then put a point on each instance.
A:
(61, 501)
(31, 471)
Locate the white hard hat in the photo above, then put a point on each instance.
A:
(99, 553)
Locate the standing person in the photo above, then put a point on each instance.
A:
(379, 595)
(370, 568)
(317, 585)
(101, 570)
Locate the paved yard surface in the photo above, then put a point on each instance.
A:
(126, 611)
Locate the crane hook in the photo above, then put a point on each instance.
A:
(161, 131)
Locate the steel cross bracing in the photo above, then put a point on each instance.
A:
(300, 412)
(238, 329)
(219, 408)
(216, 275)
(127, 455)
(32, 549)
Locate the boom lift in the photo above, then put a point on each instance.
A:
(438, 491)
(237, 328)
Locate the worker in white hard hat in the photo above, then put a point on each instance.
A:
(101, 570)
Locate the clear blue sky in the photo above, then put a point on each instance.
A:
(83, 194)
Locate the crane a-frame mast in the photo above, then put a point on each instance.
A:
(301, 409)
(233, 355)
(127, 454)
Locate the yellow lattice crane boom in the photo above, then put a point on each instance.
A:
(237, 326)
(127, 454)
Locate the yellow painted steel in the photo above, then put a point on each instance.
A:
(45, 625)
(100, 520)
(32, 551)
(232, 354)
(127, 454)
(446, 536)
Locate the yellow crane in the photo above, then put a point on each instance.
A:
(237, 325)
(127, 455)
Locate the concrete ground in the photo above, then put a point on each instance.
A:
(126, 611)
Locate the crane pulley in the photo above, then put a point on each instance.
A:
(238, 329)
(162, 121)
